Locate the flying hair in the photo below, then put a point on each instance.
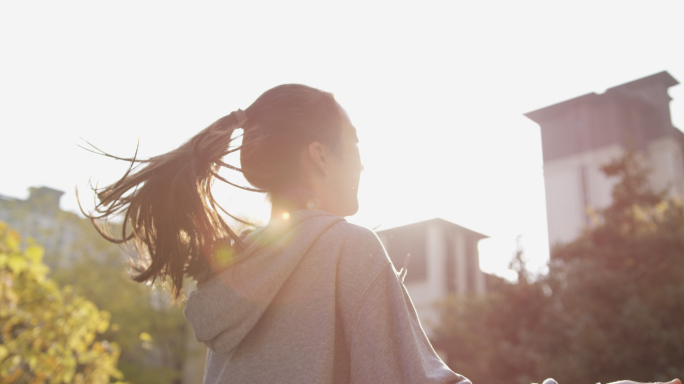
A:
(169, 212)
(168, 208)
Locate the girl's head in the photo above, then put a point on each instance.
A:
(298, 146)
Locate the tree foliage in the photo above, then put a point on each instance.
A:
(151, 331)
(609, 308)
(152, 334)
(48, 334)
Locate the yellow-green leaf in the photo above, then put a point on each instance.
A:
(34, 253)
(12, 239)
(16, 263)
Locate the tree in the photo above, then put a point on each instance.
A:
(152, 334)
(619, 287)
(487, 337)
(609, 308)
(49, 334)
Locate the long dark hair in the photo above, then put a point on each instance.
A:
(169, 212)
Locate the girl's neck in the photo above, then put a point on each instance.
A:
(294, 199)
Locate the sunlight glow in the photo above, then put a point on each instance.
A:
(442, 131)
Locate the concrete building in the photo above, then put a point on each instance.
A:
(40, 218)
(582, 134)
(441, 259)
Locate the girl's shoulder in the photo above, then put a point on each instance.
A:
(355, 238)
(358, 248)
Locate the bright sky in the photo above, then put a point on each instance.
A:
(436, 89)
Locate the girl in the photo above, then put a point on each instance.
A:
(310, 298)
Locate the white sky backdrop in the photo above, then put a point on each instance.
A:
(437, 91)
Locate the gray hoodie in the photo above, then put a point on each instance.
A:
(313, 299)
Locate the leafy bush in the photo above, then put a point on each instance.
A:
(48, 334)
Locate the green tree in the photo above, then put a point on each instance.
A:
(48, 334)
(152, 334)
(609, 308)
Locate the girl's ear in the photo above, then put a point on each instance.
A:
(317, 155)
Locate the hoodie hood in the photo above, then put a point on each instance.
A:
(225, 308)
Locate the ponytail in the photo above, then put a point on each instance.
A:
(169, 211)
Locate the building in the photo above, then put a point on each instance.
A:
(39, 217)
(582, 134)
(441, 259)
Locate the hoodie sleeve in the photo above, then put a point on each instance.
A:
(388, 344)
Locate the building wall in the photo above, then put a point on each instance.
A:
(446, 261)
(576, 186)
(581, 135)
(666, 161)
(39, 217)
